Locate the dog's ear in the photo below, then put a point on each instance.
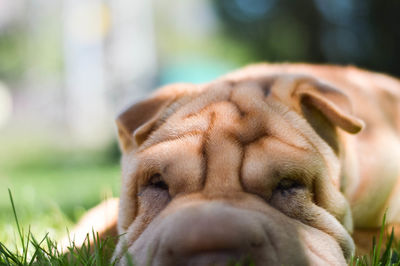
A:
(324, 107)
(137, 122)
(331, 102)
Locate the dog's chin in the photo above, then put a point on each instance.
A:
(235, 257)
(215, 258)
(310, 254)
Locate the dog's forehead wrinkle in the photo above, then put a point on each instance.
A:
(214, 94)
(204, 152)
(226, 148)
(172, 108)
(305, 135)
(165, 168)
(193, 115)
(296, 171)
(263, 159)
(176, 137)
(228, 119)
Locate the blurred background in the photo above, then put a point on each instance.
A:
(67, 67)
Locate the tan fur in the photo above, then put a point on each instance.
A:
(226, 150)
(101, 219)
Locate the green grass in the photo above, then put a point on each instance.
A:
(53, 182)
(45, 251)
(381, 254)
(54, 199)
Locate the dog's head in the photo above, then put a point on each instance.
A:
(236, 169)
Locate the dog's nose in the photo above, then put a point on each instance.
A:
(210, 234)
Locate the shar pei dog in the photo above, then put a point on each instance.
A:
(281, 164)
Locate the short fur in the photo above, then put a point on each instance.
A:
(265, 162)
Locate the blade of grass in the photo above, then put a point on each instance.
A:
(26, 246)
(17, 222)
(37, 248)
(97, 247)
(8, 254)
(387, 255)
(378, 249)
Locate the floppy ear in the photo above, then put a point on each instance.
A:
(334, 104)
(137, 122)
(326, 108)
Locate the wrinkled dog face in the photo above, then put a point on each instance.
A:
(233, 170)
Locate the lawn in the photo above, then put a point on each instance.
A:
(52, 184)
(51, 199)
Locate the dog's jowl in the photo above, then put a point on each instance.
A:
(271, 164)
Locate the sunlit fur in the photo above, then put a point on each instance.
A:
(223, 147)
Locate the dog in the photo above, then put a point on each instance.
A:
(274, 164)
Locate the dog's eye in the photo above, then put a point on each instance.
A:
(156, 181)
(288, 184)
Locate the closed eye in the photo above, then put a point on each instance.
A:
(288, 184)
(156, 181)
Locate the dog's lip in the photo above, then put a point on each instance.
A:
(213, 258)
(201, 254)
(201, 257)
(216, 257)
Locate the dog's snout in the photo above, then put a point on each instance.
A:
(212, 231)
(219, 233)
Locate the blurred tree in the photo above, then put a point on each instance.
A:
(361, 32)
